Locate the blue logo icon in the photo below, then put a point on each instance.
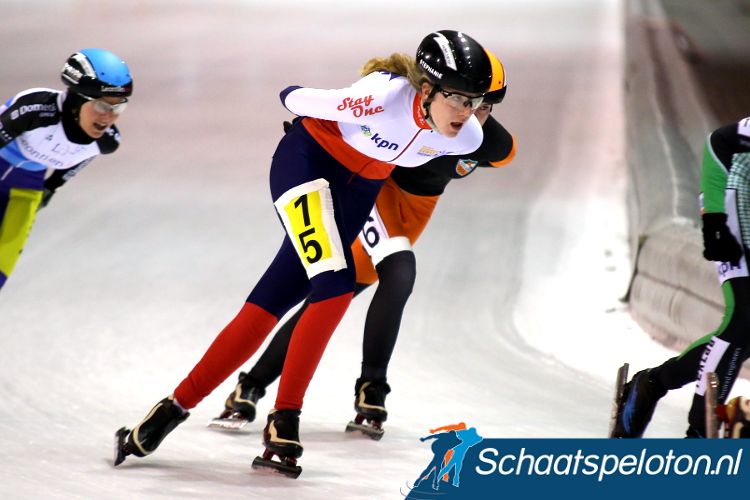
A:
(443, 473)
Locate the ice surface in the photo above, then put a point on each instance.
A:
(514, 326)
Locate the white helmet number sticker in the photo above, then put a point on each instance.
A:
(445, 46)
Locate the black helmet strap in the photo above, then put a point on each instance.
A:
(427, 102)
(426, 105)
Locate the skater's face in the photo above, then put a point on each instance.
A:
(98, 114)
(449, 110)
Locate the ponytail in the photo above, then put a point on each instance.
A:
(400, 64)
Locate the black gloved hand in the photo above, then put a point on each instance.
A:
(46, 196)
(718, 242)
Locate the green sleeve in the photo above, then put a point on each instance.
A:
(713, 181)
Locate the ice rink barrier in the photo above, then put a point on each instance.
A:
(674, 294)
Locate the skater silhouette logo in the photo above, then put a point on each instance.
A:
(449, 446)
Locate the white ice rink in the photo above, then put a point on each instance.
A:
(514, 326)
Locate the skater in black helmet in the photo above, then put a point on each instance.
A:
(45, 130)
(325, 176)
(725, 205)
(383, 254)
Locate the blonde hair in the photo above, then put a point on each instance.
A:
(400, 64)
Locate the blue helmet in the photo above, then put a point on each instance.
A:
(97, 73)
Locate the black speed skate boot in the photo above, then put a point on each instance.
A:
(639, 399)
(147, 435)
(245, 397)
(281, 438)
(240, 406)
(369, 403)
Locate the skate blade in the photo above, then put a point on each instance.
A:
(286, 467)
(234, 422)
(121, 450)
(371, 430)
(712, 419)
(622, 377)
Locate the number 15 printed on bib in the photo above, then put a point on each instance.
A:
(307, 213)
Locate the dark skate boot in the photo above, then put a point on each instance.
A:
(147, 435)
(369, 403)
(240, 406)
(246, 396)
(281, 438)
(639, 399)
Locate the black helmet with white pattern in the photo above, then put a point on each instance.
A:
(455, 60)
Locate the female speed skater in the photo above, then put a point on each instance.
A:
(325, 176)
(725, 205)
(383, 253)
(45, 130)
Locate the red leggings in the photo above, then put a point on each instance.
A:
(242, 337)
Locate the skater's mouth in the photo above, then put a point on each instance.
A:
(457, 125)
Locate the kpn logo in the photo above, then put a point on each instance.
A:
(441, 478)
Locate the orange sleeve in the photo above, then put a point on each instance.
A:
(508, 158)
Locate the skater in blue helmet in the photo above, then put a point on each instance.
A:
(44, 130)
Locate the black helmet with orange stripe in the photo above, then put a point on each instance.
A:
(496, 93)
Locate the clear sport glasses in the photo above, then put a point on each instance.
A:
(103, 107)
(460, 101)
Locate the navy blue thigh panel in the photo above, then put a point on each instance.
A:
(17, 178)
(300, 159)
